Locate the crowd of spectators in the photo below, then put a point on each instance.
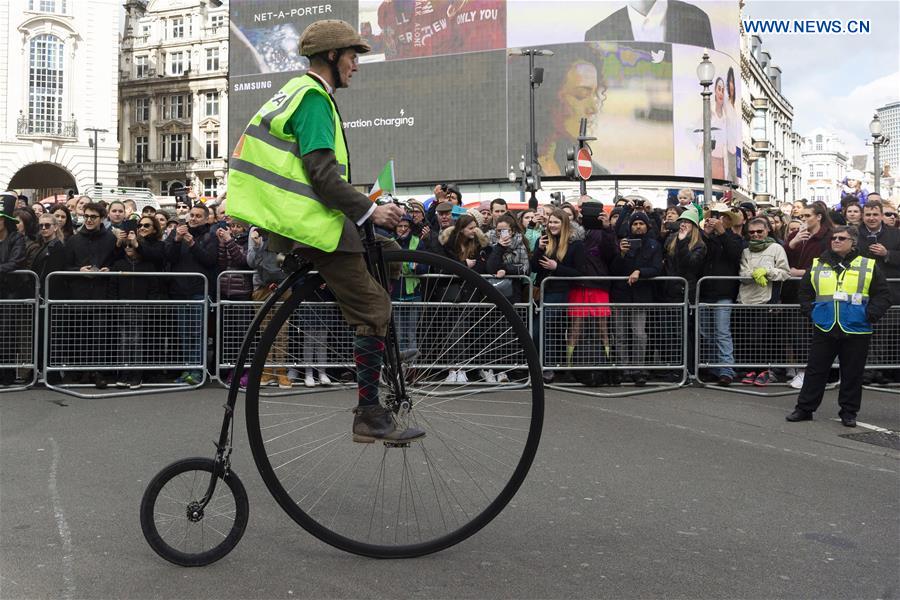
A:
(767, 248)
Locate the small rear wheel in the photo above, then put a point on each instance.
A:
(179, 527)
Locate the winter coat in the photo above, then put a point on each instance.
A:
(802, 256)
(648, 260)
(774, 260)
(448, 242)
(599, 251)
(88, 248)
(512, 258)
(723, 257)
(153, 250)
(133, 287)
(265, 263)
(12, 258)
(200, 258)
(50, 258)
(889, 265)
(683, 262)
(409, 287)
(232, 256)
(572, 265)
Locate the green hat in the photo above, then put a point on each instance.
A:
(690, 214)
(8, 206)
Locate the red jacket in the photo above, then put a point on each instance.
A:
(802, 256)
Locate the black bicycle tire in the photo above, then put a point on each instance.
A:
(148, 523)
(452, 538)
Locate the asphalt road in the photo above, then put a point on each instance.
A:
(687, 494)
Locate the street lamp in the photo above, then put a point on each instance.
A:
(535, 78)
(705, 73)
(878, 140)
(93, 143)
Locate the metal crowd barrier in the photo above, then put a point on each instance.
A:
(316, 336)
(615, 337)
(19, 303)
(765, 337)
(121, 336)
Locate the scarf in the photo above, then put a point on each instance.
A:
(760, 245)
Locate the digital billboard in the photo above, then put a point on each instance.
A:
(445, 95)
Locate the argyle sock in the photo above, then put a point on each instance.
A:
(368, 352)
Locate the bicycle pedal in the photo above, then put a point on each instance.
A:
(391, 444)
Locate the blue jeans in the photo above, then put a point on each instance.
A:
(189, 321)
(715, 328)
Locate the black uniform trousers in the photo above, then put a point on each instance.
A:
(852, 351)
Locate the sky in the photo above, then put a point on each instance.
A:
(836, 81)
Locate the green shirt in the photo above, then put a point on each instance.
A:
(312, 124)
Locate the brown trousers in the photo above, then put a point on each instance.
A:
(366, 305)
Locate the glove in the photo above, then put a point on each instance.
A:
(759, 276)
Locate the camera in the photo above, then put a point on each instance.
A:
(129, 225)
(557, 198)
(590, 215)
(634, 243)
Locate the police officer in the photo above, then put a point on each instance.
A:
(290, 174)
(843, 294)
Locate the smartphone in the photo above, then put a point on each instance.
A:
(504, 234)
(182, 219)
(634, 243)
(129, 225)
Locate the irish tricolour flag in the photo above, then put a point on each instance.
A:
(385, 182)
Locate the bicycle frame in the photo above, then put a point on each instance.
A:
(297, 268)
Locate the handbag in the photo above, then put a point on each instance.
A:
(503, 285)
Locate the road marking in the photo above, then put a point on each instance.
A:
(872, 427)
(62, 527)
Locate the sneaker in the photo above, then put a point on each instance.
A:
(764, 379)
(371, 423)
(284, 382)
(750, 378)
(451, 377)
(639, 378)
(548, 376)
(183, 377)
(309, 380)
(488, 375)
(502, 378)
(797, 381)
(324, 379)
(725, 380)
(293, 374)
(267, 378)
(461, 377)
(122, 382)
(245, 379)
(134, 382)
(193, 378)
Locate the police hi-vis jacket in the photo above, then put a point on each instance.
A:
(844, 294)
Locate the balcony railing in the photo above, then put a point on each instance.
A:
(47, 129)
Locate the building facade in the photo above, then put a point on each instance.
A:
(173, 96)
(889, 155)
(771, 149)
(58, 70)
(824, 165)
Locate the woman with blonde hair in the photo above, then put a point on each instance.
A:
(558, 254)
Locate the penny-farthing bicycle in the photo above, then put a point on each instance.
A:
(381, 499)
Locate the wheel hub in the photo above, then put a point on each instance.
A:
(194, 512)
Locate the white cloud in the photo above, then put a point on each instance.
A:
(847, 114)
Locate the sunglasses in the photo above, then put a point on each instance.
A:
(840, 238)
(890, 214)
(47, 225)
(181, 206)
(757, 232)
(146, 226)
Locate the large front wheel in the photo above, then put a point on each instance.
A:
(473, 384)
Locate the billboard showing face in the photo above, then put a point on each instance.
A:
(442, 96)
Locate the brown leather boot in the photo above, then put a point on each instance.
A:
(371, 423)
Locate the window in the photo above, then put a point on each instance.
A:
(810, 170)
(217, 20)
(141, 148)
(174, 146)
(212, 104)
(141, 67)
(177, 27)
(51, 6)
(164, 188)
(176, 107)
(176, 63)
(212, 144)
(209, 186)
(45, 84)
(212, 59)
(142, 183)
(141, 110)
(145, 29)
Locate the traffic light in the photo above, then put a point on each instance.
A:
(571, 162)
